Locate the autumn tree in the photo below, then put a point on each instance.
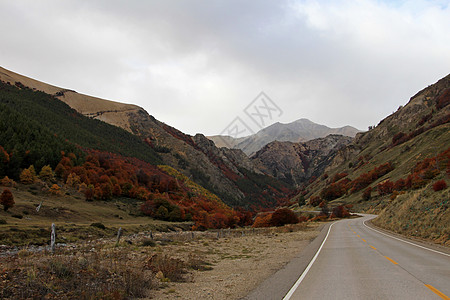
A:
(439, 185)
(26, 177)
(6, 181)
(46, 173)
(7, 199)
(283, 216)
(262, 220)
(55, 190)
(89, 192)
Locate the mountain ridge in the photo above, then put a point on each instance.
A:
(301, 130)
(222, 171)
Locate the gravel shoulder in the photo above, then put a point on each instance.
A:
(239, 264)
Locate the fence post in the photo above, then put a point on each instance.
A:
(119, 235)
(53, 238)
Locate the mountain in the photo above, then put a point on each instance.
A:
(396, 168)
(296, 163)
(226, 172)
(301, 130)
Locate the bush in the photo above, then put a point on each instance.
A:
(148, 243)
(340, 212)
(3, 222)
(171, 268)
(439, 185)
(17, 216)
(367, 194)
(301, 200)
(385, 188)
(98, 225)
(7, 199)
(283, 216)
(314, 201)
(262, 220)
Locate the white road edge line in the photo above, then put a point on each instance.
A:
(393, 237)
(297, 283)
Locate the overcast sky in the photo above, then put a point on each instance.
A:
(196, 65)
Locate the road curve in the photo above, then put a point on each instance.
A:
(358, 262)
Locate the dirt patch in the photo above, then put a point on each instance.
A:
(239, 264)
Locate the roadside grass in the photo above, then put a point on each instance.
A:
(422, 214)
(136, 267)
(73, 217)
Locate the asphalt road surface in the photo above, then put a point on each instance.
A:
(351, 260)
(358, 262)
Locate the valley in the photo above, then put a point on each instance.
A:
(92, 166)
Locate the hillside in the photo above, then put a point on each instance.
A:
(222, 171)
(111, 112)
(46, 144)
(391, 169)
(301, 130)
(296, 163)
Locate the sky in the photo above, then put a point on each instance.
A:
(197, 65)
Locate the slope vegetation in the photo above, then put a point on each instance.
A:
(391, 169)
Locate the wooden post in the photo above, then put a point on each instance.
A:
(119, 235)
(53, 238)
(151, 234)
(192, 235)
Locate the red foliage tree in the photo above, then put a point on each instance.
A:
(283, 216)
(340, 212)
(385, 188)
(443, 100)
(338, 177)
(439, 185)
(7, 199)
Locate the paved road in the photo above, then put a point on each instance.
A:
(356, 262)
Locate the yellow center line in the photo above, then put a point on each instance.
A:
(391, 260)
(357, 235)
(364, 240)
(354, 232)
(373, 247)
(437, 292)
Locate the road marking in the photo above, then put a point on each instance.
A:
(297, 283)
(437, 292)
(391, 260)
(373, 247)
(364, 240)
(393, 237)
(357, 235)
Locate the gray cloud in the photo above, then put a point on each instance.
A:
(197, 64)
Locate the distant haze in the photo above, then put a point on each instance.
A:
(197, 64)
(301, 130)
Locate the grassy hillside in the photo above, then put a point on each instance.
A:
(73, 217)
(391, 169)
(96, 159)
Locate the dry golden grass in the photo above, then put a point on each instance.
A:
(422, 213)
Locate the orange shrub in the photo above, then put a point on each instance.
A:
(262, 220)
